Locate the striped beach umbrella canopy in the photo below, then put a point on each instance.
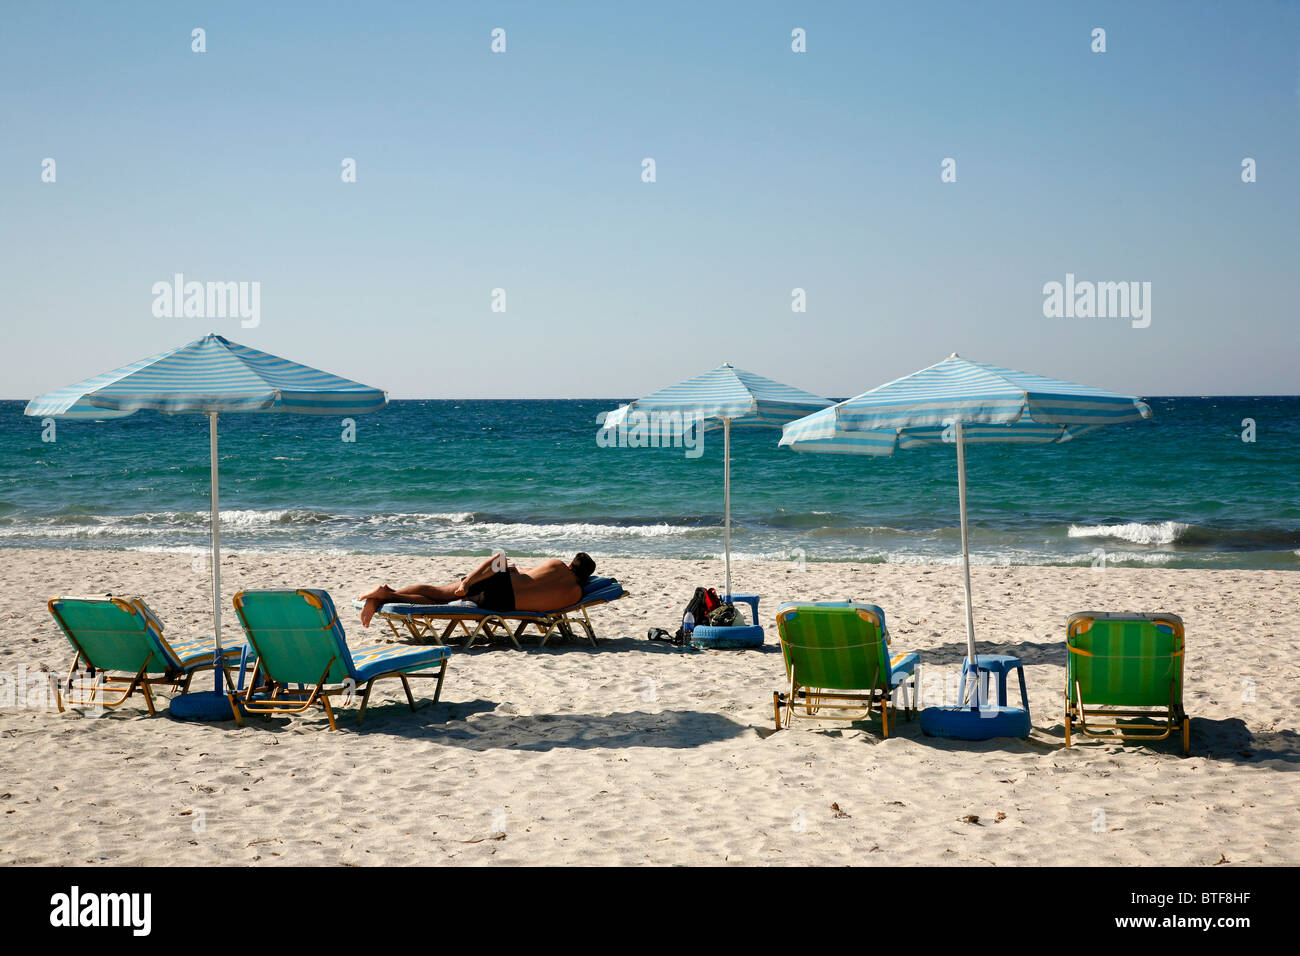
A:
(960, 402)
(725, 397)
(210, 376)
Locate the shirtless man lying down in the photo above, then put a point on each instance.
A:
(496, 585)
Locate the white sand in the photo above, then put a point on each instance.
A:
(640, 753)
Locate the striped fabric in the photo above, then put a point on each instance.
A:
(992, 404)
(831, 646)
(749, 400)
(1126, 660)
(121, 635)
(200, 650)
(211, 374)
(595, 591)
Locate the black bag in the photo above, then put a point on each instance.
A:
(702, 604)
(705, 607)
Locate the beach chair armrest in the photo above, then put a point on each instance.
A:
(902, 666)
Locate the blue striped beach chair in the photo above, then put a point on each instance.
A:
(436, 623)
(123, 634)
(299, 640)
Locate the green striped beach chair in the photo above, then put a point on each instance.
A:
(299, 640)
(123, 634)
(838, 664)
(1124, 676)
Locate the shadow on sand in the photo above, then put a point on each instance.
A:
(450, 724)
(608, 645)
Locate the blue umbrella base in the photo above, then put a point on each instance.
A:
(967, 723)
(202, 705)
(736, 636)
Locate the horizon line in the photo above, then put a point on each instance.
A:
(582, 398)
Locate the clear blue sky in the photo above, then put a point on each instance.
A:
(775, 170)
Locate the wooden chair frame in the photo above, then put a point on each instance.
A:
(427, 629)
(814, 700)
(283, 699)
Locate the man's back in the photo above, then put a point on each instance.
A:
(548, 587)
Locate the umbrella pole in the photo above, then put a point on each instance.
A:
(726, 500)
(216, 551)
(965, 565)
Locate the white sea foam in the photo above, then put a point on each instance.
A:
(1166, 532)
(581, 530)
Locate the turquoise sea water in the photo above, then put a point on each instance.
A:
(463, 477)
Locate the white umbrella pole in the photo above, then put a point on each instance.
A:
(965, 556)
(726, 499)
(216, 550)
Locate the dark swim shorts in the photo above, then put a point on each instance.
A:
(497, 593)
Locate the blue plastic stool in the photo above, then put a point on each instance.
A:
(750, 599)
(999, 664)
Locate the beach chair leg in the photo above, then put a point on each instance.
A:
(591, 631)
(776, 707)
(480, 627)
(72, 671)
(884, 717)
(442, 672)
(406, 686)
(329, 711)
(365, 700)
(1187, 736)
(234, 707)
(148, 697)
(1069, 726)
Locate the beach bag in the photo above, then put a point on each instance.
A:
(724, 615)
(703, 603)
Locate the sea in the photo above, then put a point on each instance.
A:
(1209, 482)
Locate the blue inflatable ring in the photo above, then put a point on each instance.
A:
(736, 636)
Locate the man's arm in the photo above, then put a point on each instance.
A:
(484, 571)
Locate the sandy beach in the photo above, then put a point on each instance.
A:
(639, 753)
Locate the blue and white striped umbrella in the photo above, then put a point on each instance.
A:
(209, 376)
(728, 394)
(725, 397)
(992, 404)
(961, 402)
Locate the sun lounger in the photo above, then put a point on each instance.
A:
(122, 634)
(299, 640)
(436, 623)
(838, 663)
(1124, 676)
